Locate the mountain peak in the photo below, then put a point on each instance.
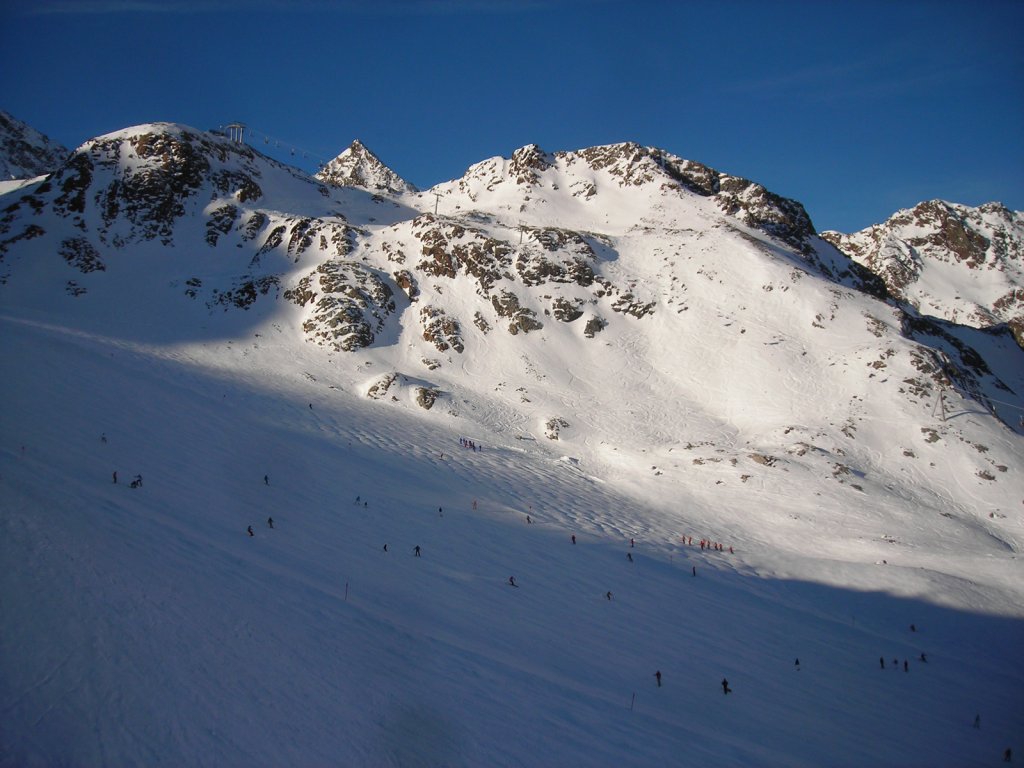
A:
(529, 161)
(357, 166)
(953, 261)
(25, 152)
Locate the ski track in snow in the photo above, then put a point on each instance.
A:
(180, 639)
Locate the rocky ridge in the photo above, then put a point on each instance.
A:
(959, 263)
(520, 247)
(25, 152)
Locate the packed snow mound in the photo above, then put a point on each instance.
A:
(959, 263)
(25, 152)
(357, 166)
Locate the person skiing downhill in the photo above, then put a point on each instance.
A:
(416, 550)
(270, 522)
(512, 581)
(725, 687)
(657, 676)
(250, 531)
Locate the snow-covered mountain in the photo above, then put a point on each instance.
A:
(24, 152)
(359, 167)
(616, 343)
(959, 263)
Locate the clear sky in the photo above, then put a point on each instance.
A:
(856, 109)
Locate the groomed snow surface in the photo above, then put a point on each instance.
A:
(145, 627)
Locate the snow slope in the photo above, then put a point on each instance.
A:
(25, 152)
(953, 261)
(739, 388)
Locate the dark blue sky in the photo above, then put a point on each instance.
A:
(855, 109)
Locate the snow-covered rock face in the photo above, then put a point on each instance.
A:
(615, 341)
(357, 166)
(24, 152)
(959, 263)
(572, 245)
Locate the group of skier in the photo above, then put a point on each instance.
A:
(465, 442)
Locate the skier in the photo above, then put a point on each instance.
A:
(629, 556)
(906, 667)
(528, 520)
(138, 481)
(924, 658)
(913, 628)
(574, 538)
(695, 570)
(725, 687)
(657, 676)
(608, 595)
(103, 438)
(631, 543)
(416, 550)
(115, 478)
(440, 512)
(1007, 755)
(512, 581)
(385, 547)
(881, 662)
(270, 522)
(798, 665)
(266, 480)
(250, 531)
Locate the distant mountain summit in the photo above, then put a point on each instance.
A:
(631, 165)
(25, 152)
(357, 166)
(578, 249)
(959, 263)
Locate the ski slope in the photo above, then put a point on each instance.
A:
(761, 404)
(143, 626)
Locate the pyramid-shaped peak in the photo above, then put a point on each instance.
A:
(529, 161)
(357, 166)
